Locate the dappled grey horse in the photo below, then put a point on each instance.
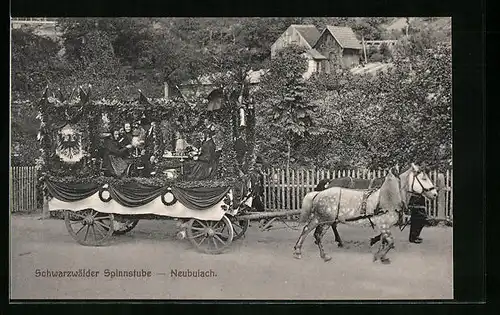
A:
(369, 185)
(381, 209)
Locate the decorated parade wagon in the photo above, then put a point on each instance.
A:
(108, 163)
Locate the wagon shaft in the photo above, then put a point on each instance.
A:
(263, 215)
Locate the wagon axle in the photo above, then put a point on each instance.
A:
(89, 220)
(208, 232)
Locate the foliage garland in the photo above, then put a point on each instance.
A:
(153, 181)
(55, 112)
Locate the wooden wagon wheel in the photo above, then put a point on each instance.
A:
(210, 237)
(89, 227)
(128, 225)
(239, 227)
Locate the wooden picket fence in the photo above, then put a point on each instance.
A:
(23, 191)
(285, 189)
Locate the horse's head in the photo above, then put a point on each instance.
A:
(416, 181)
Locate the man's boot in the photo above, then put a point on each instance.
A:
(418, 231)
(414, 232)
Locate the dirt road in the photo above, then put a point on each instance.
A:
(260, 266)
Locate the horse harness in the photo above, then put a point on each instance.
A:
(363, 215)
(367, 193)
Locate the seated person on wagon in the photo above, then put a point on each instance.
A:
(114, 155)
(204, 161)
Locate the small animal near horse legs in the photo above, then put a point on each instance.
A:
(385, 246)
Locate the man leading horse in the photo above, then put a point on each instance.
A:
(382, 208)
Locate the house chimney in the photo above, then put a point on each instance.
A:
(166, 90)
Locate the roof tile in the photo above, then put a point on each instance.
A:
(309, 32)
(345, 36)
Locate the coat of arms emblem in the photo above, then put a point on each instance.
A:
(69, 145)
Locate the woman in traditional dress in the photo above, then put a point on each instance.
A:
(127, 128)
(115, 155)
(205, 160)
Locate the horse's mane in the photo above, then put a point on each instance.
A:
(389, 195)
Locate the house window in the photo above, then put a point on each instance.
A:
(318, 66)
(312, 66)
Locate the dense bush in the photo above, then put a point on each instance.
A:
(376, 57)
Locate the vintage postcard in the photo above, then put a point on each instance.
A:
(297, 158)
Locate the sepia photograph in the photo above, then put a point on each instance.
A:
(231, 158)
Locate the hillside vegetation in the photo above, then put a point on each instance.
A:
(333, 120)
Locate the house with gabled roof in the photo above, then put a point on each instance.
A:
(300, 35)
(340, 46)
(303, 36)
(334, 46)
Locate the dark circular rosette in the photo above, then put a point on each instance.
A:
(168, 198)
(104, 193)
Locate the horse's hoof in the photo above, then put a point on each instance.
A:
(327, 258)
(340, 245)
(297, 256)
(385, 261)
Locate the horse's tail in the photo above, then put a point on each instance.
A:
(307, 206)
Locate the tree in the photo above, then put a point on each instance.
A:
(128, 53)
(338, 119)
(371, 51)
(284, 98)
(391, 118)
(369, 28)
(35, 63)
(385, 51)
